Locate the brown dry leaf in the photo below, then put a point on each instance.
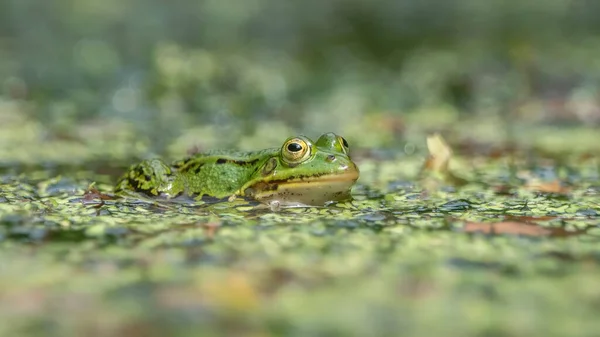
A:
(93, 193)
(502, 152)
(436, 167)
(517, 228)
(92, 196)
(504, 190)
(439, 154)
(554, 186)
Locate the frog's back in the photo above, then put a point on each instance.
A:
(219, 173)
(220, 157)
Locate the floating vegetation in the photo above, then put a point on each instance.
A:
(442, 239)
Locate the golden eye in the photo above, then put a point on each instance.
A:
(295, 150)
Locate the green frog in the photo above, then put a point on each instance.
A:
(299, 173)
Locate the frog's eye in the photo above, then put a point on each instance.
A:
(344, 143)
(295, 150)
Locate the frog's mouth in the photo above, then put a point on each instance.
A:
(302, 191)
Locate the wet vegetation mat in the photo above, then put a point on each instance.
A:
(475, 126)
(462, 239)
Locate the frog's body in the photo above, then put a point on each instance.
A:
(299, 173)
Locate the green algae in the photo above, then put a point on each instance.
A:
(75, 260)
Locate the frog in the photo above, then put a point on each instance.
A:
(300, 173)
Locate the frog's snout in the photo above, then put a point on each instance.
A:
(348, 167)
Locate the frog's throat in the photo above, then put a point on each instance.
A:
(337, 181)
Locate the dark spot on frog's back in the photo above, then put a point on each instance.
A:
(179, 164)
(196, 169)
(138, 171)
(236, 162)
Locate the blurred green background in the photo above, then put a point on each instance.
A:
(166, 76)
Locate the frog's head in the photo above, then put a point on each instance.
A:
(303, 172)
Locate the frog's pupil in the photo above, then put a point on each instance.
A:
(345, 142)
(294, 147)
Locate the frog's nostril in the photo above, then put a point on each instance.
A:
(330, 158)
